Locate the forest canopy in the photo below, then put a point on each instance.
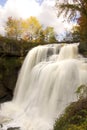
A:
(29, 30)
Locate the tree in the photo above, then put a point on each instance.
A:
(50, 34)
(29, 30)
(13, 28)
(41, 36)
(82, 21)
(76, 33)
(32, 28)
(75, 9)
(71, 8)
(72, 35)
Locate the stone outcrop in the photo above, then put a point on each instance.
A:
(9, 69)
(14, 128)
(12, 54)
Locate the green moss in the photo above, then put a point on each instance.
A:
(74, 118)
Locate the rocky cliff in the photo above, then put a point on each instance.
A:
(12, 54)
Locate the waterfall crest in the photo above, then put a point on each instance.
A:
(46, 84)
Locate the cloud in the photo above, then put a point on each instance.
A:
(21, 8)
(26, 8)
(48, 16)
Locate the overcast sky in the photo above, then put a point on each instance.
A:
(44, 10)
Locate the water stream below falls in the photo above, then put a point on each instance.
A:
(46, 84)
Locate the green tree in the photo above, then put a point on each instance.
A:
(72, 35)
(76, 33)
(41, 36)
(50, 34)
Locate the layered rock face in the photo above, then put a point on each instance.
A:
(9, 69)
(11, 57)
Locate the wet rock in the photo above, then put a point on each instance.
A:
(1, 125)
(14, 128)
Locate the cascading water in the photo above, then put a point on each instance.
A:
(47, 82)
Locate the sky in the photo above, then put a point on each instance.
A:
(2, 2)
(44, 10)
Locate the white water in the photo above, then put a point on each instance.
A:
(47, 82)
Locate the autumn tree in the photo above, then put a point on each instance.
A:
(13, 28)
(29, 29)
(75, 10)
(82, 21)
(32, 28)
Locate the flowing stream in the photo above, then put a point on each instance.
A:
(47, 82)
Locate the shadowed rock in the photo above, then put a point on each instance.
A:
(14, 128)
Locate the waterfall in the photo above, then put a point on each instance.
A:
(47, 82)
